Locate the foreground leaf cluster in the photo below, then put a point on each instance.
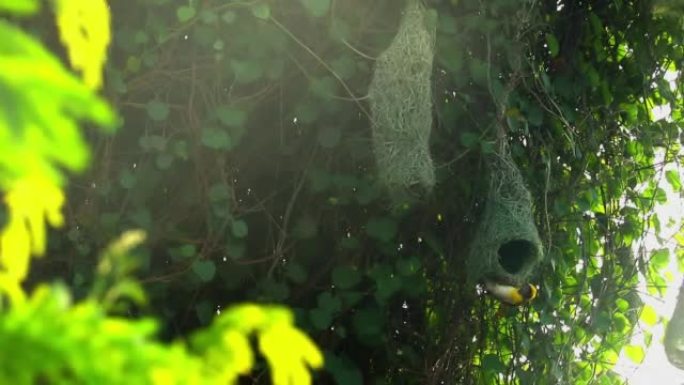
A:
(54, 339)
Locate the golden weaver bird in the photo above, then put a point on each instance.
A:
(510, 294)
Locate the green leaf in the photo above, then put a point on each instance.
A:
(236, 249)
(273, 290)
(351, 298)
(386, 286)
(672, 177)
(350, 243)
(469, 139)
(204, 269)
(180, 149)
(383, 229)
(343, 370)
(216, 138)
(368, 322)
(19, 7)
(127, 179)
(133, 64)
(295, 272)
(535, 115)
(152, 142)
(552, 44)
(142, 217)
(305, 227)
(345, 277)
(231, 117)
(183, 252)
(320, 318)
(157, 110)
(208, 17)
(635, 353)
(219, 192)
(316, 8)
(492, 362)
(239, 228)
(261, 11)
(408, 266)
(649, 315)
(164, 161)
(659, 260)
(329, 302)
(246, 71)
(205, 312)
(229, 17)
(185, 13)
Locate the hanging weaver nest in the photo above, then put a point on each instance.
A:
(507, 244)
(401, 104)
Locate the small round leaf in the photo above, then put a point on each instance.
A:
(157, 111)
(240, 228)
(204, 269)
(185, 13)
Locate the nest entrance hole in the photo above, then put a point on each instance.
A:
(516, 254)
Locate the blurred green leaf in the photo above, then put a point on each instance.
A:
(368, 322)
(552, 44)
(408, 266)
(185, 13)
(316, 8)
(239, 228)
(345, 277)
(127, 179)
(343, 370)
(329, 302)
(305, 227)
(231, 117)
(164, 161)
(19, 7)
(216, 138)
(649, 315)
(246, 71)
(320, 318)
(296, 272)
(660, 259)
(157, 110)
(383, 229)
(204, 269)
(635, 353)
(492, 362)
(261, 11)
(672, 177)
(228, 17)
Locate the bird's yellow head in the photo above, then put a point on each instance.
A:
(528, 292)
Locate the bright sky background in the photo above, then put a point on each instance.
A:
(656, 369)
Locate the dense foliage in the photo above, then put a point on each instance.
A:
(245, 153)
(46, 338)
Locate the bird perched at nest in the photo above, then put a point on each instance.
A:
(509, 293)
